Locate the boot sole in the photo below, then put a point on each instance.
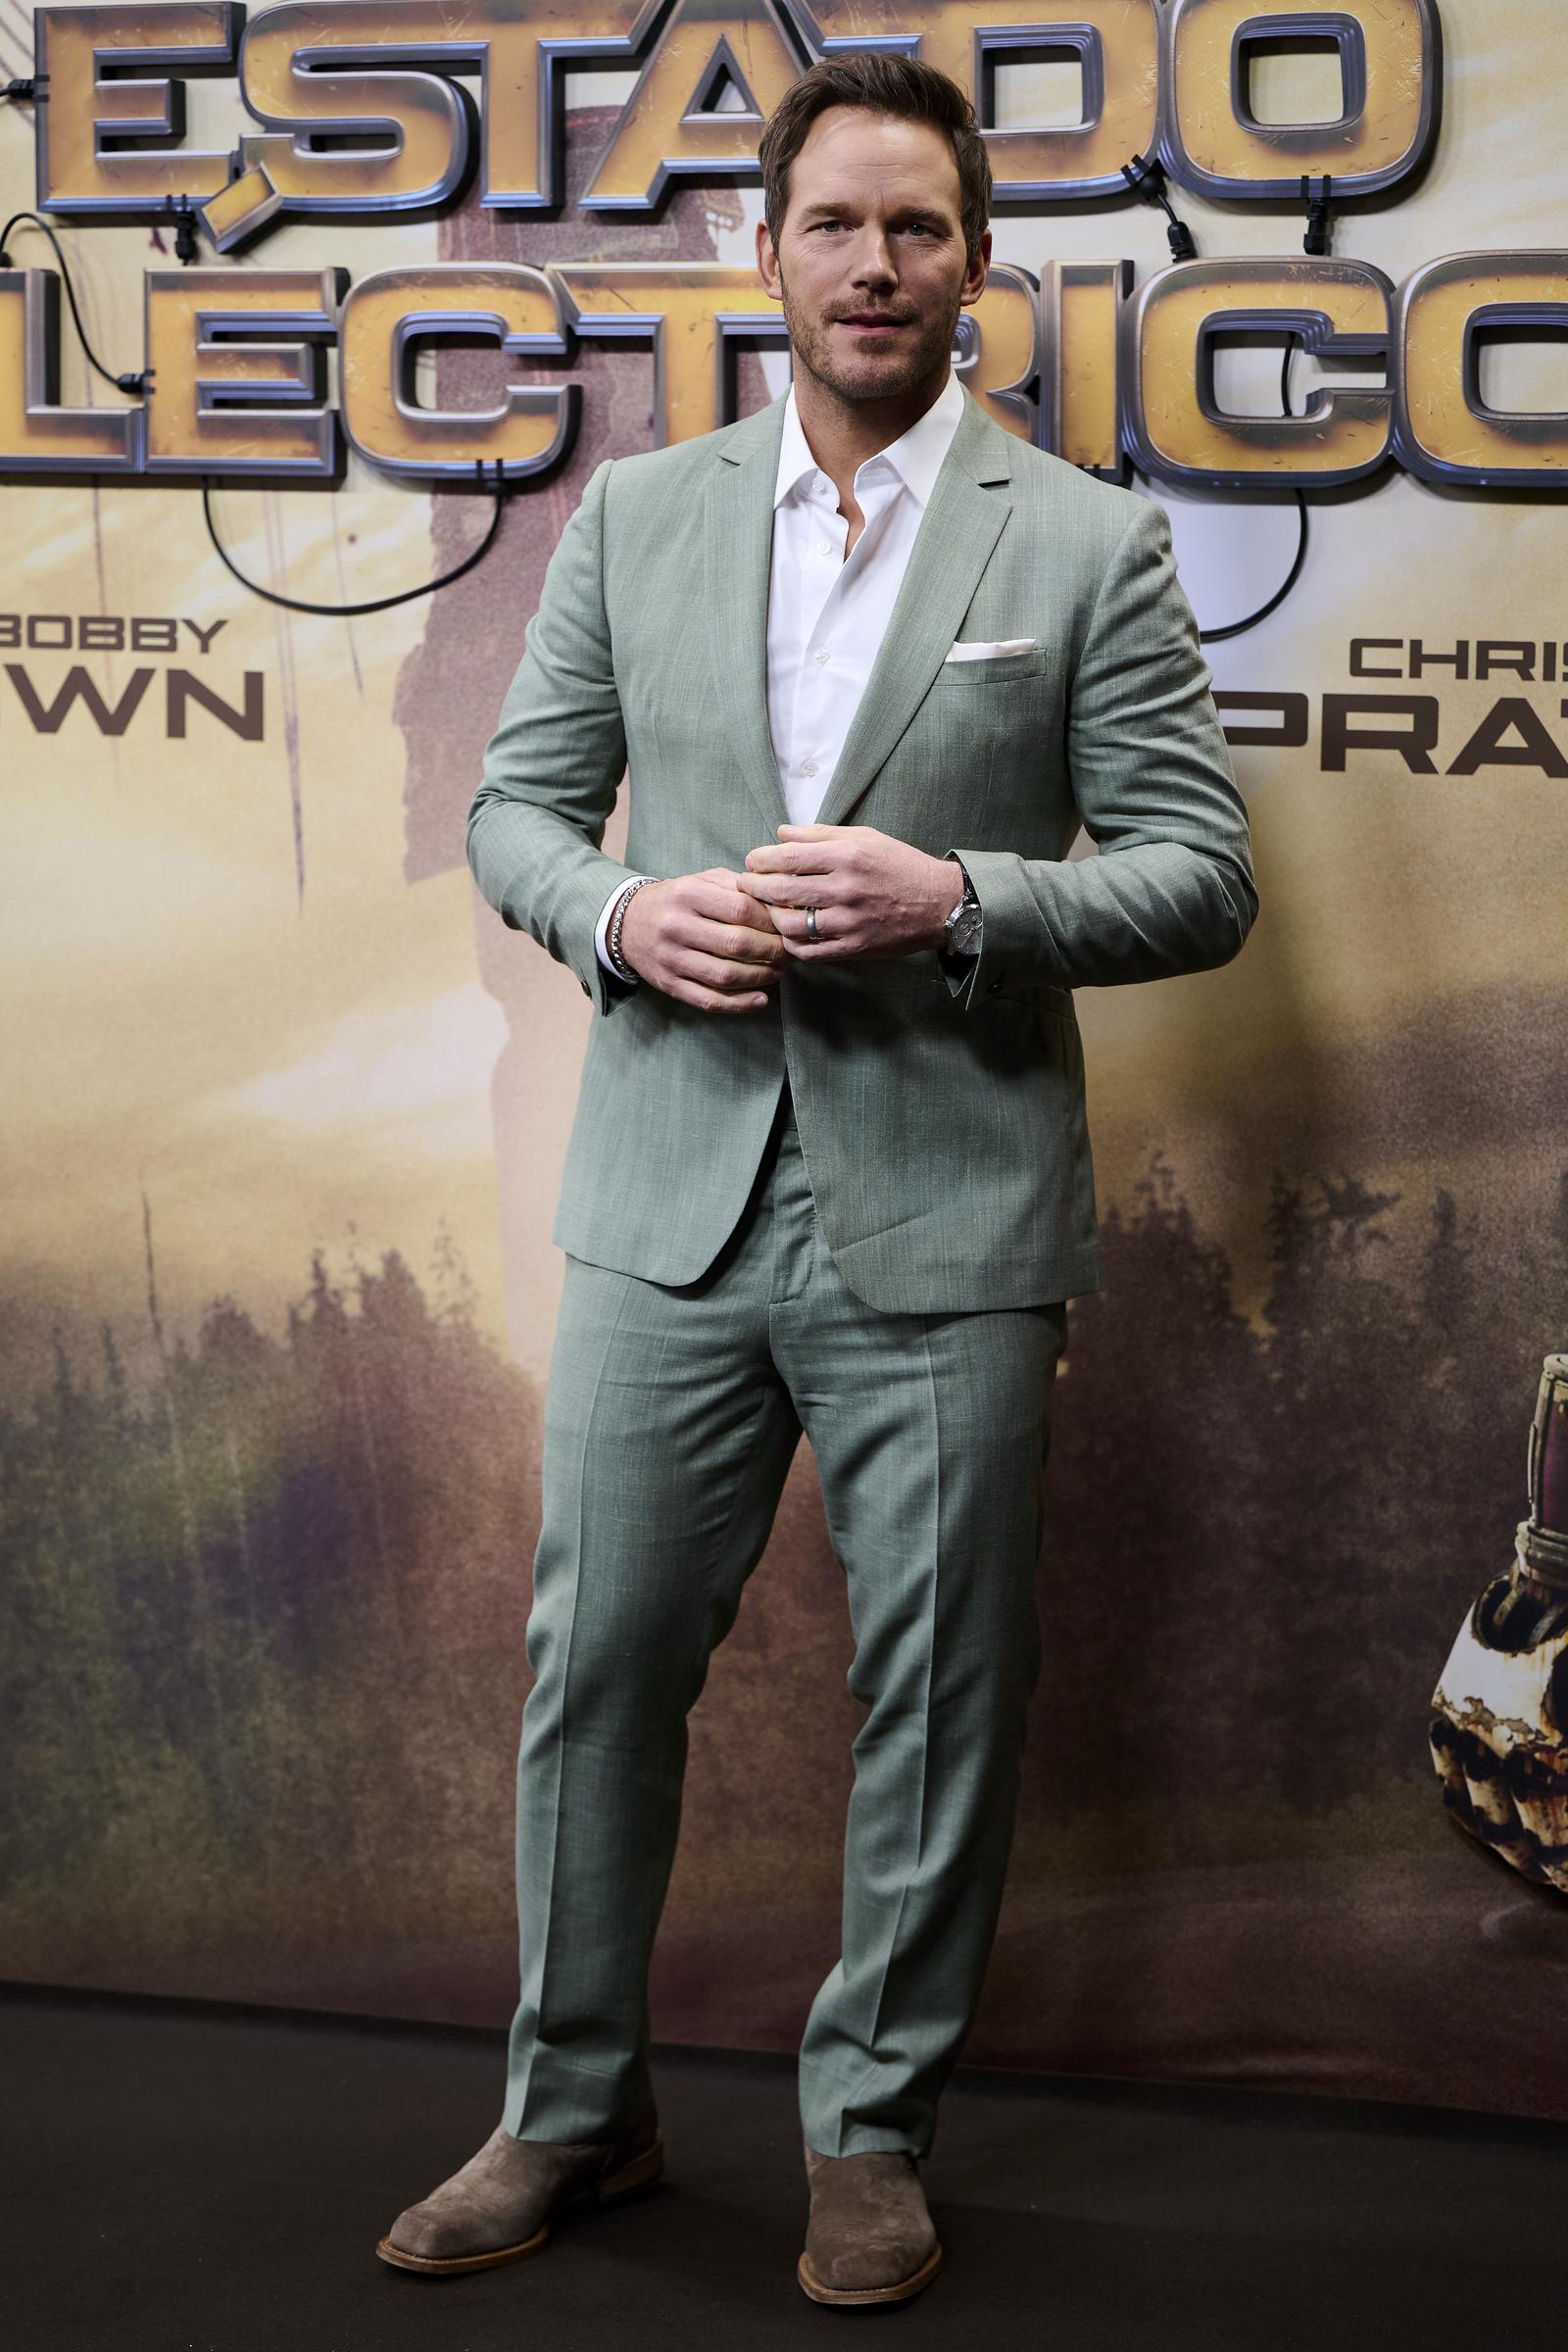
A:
(644, 2171)
(899, 2292)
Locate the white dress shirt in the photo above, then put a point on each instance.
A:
(827, 613)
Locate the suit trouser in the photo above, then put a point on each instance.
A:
(672, 1414)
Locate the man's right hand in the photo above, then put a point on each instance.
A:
(702, 938)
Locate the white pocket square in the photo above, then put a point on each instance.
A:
(983, 649)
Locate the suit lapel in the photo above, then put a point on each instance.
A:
(961, 524)
(737, 557)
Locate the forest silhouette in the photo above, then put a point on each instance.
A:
(263, 1621)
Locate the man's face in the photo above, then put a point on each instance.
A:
(872, 232)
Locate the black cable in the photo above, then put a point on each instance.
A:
(375, 604)
(135, 384)
(1237, 628)
(122, 383)
(1145, 177)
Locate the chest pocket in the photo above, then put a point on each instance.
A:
(994, 669)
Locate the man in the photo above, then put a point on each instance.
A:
(870, 660)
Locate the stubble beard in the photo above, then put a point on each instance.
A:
(872, 379)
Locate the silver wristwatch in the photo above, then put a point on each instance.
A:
(963, 927)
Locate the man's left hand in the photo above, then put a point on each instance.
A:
(873, 895)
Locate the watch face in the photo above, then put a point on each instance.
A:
(965, 924)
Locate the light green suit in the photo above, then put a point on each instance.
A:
(942, 1118)
(878, 1253)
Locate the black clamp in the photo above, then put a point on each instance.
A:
(183, 214)
(1319, 237)
(1145, 177)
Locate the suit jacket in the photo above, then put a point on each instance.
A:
(941, 1111)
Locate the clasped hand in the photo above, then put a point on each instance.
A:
(717, 940)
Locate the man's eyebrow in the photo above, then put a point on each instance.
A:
(903, 212)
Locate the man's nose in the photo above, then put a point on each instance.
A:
(872, 259)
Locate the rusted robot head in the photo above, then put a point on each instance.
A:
(1499, 1719)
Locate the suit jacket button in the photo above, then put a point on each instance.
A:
(995, 989)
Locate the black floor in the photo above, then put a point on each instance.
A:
(205, 2178)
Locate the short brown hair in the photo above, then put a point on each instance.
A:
(887, 84)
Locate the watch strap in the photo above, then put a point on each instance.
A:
(969, 904)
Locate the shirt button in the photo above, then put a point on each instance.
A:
(824, 546)
(807, 767)
(822, 657)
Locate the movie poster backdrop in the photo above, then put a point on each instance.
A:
(285, 1105)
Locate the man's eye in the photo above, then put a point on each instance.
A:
(923, 228)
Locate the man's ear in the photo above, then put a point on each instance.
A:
(978, 270)
(768, 261)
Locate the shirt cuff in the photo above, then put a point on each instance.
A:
(602, 931)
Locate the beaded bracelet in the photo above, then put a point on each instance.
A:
(612, 938)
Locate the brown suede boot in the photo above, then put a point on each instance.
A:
(499, 2205)
(869, 2238)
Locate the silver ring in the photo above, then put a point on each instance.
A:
(812, 931)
